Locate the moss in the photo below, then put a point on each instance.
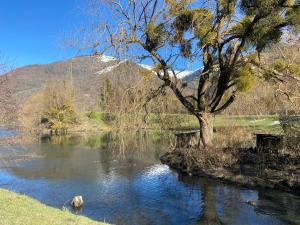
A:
(184, 21)
(242, 25)
(20, 209)
(228, 6)
(202, 21)
(155, 35)
(244, 78)
(198, 21)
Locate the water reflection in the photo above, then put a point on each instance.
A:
(222, 204)
(122, 182)
(6, 131)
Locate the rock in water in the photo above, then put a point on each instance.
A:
(77, 201)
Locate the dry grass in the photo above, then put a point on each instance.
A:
(234, 137)
(225, 152)
(212, 158)
(190, 160)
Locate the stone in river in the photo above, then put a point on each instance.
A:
(77, 201)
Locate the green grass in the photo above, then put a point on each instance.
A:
(17, 209)
(259, 123)
(263, 123)
(242, 121)
(253, 123)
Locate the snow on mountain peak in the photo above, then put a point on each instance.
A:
(180, 74)
(106, 58)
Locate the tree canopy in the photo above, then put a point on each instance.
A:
(225, 37)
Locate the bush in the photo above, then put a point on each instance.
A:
(59, 109)
(98, 116)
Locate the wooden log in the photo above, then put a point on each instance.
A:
(189, 139)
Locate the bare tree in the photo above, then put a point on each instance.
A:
(221, 36)
(7, 103)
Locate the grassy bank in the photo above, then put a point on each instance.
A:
(105, 121)
(95, 122)
(18, 209)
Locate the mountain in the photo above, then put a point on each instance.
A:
(85, 73)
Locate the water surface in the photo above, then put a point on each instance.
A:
(123, 182)
(6, 131)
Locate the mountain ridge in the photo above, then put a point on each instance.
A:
(86, 72)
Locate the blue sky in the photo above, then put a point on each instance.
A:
(32, 30)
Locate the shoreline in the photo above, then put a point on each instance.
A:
(30, 211)
(278, 178)
(275, 179)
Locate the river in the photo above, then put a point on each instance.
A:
(123, 182)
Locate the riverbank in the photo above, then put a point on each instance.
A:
(19, 209)
(243, 167)
(98, 121)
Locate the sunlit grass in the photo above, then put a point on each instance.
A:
(261, 123)
(19, 209)
(254, 123)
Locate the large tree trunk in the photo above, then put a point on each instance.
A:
(206, 129)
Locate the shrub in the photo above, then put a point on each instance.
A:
(59, 109)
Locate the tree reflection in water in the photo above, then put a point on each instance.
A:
(209, 214)
(226, 204)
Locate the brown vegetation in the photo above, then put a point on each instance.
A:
(7, 103)
(227, 39)
(53, 108)
(127, 98)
